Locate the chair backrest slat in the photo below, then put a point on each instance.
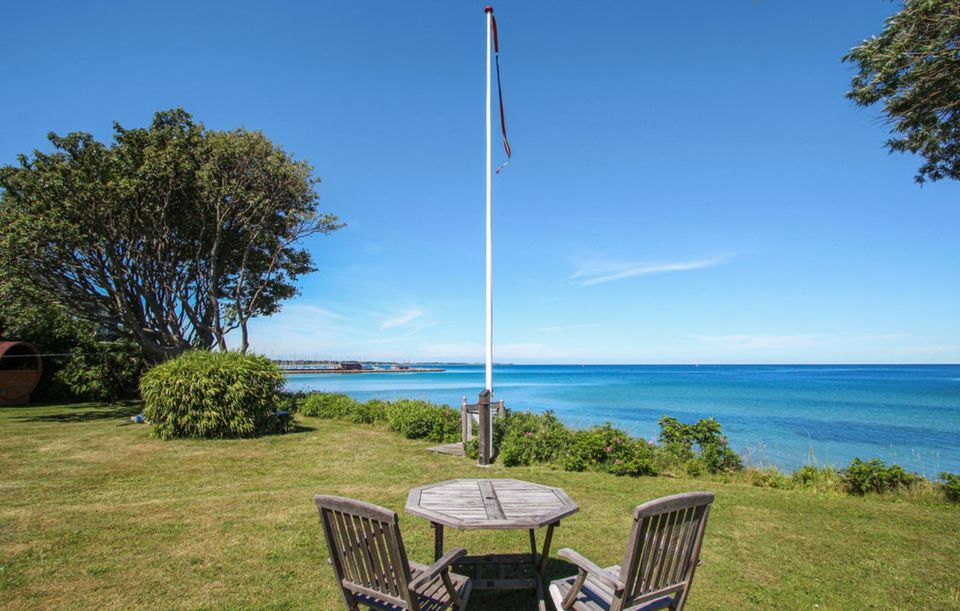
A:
(399, 566)
(386, 561)
(349, 549)
(364, 546)
(674, 523)
(372, 534)
(664, 547)
(686, 548)
(679, 546)
(366, 550)
(649, 560)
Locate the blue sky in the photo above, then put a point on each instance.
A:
(689, 184)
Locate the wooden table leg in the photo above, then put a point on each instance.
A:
(437, 540)
(542, 566)
(541, 600)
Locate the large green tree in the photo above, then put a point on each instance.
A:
(171, 235)
(913, 70)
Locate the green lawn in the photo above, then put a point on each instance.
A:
(96, 513)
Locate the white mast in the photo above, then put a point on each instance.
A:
(489, 335)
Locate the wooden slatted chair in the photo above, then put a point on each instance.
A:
(371, 565)
(658, 565)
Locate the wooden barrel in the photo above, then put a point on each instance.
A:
(20, 369)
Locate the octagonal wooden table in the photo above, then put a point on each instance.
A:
(495, 504)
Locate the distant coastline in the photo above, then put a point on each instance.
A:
(354, 371)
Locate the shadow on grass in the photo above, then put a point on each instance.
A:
(299, 428)
(92, 413)
(84, 413)
(521, 599)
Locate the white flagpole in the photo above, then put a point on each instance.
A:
(489, 336)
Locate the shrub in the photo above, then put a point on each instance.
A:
(374, 410)
(585, 450)
(679, 439)
(329, 405)
(635, 458)
(472, 448)
(806, 476)
(607, 448)
(809, 476)
(951, 485)
(102, 371)
(291, 401)
(719, 458)
(693, 467)
(770, 477)
(422, 420)
(529, 438)
(875, 476)
(212, 394)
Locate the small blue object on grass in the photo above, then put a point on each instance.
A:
(139, 419)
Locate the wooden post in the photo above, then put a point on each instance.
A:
(466, 422)
(486, 444)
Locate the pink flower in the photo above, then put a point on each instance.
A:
(609, 449)
(617, 441)
(529, 434)
(616, 462)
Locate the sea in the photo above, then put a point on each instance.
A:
(781, 415)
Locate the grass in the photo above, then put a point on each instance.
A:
(96, 513)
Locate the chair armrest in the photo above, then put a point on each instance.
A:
(437, 568)
(602, 575)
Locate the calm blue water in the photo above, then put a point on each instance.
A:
(782, 415)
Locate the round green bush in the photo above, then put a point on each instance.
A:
(212, 395)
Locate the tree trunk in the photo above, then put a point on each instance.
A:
(244, 338)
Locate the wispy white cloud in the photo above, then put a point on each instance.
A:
(597, 271)
(402, 319)
(409, 332)
(314, 310)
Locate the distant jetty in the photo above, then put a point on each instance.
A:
(330, 370)
(315, 367)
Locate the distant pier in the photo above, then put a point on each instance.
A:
(315, 367)
(331, 370)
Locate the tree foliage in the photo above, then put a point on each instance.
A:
(80, 363)
(913, 70)
(172, 235)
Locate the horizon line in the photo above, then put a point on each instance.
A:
(496, 364)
